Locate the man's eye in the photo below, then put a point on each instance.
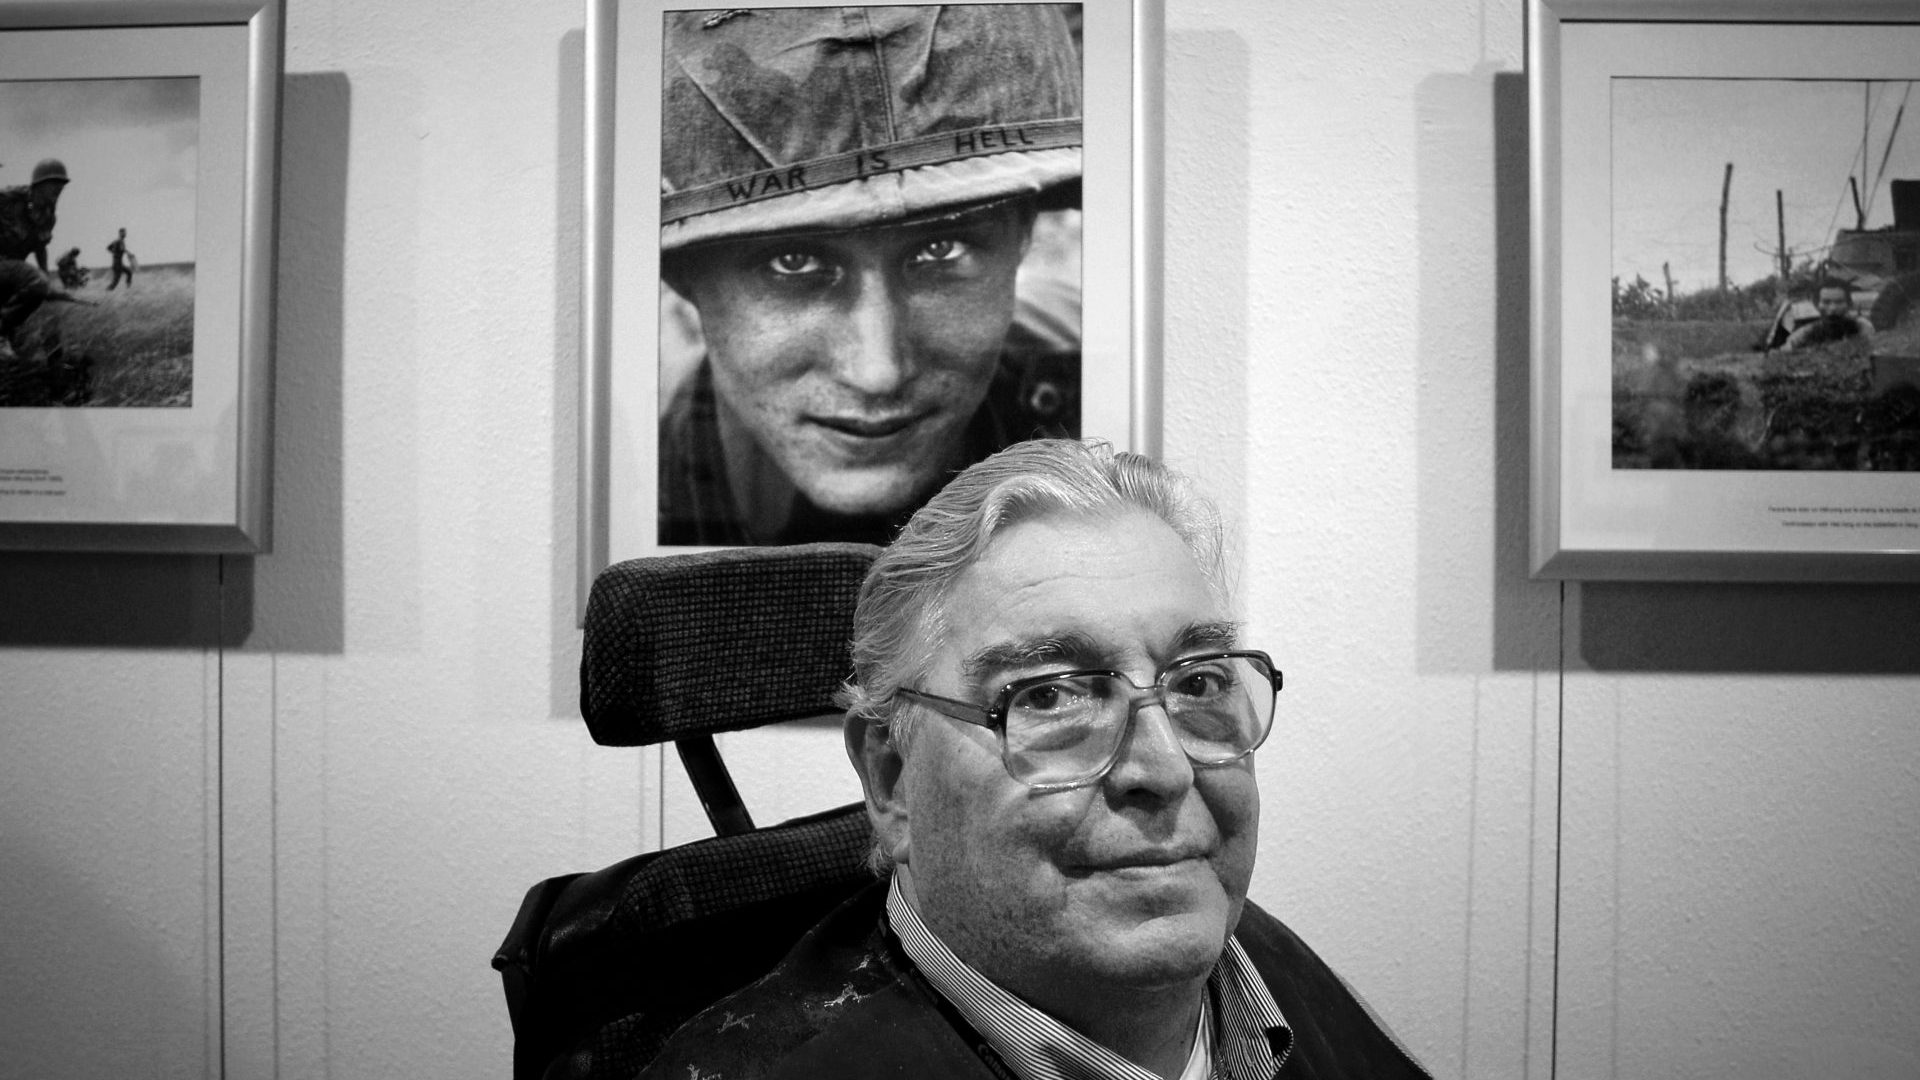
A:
(1056, 697)
(796, 263)
(1204, 682)
(944, 250)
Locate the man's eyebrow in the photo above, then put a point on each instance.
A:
(1068, 648)
(1079, 650)
(1220, 635)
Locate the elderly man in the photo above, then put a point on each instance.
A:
(848, 196)
(1054, 718)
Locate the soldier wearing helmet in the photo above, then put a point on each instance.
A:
(26, 227)
(27, 213)
(847, 199)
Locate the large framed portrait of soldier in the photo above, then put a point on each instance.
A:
(138, 146)
(1726, 291)
(837, 253)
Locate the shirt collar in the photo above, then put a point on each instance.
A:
(1251, 1037)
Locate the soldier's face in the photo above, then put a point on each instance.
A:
(1834, 302)
(853, 361)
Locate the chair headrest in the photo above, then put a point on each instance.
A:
(683, 645)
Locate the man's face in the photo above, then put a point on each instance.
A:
(854, 361)
(1127, 884)
(1834, 302)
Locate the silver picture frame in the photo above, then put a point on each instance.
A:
(1600, 507)
(621, 398)
(195, 475)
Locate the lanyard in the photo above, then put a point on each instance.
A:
(976, 1042)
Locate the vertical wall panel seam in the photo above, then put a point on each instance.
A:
(220, 795)
(1559, 818)
(273, 855)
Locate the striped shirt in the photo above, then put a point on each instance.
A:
(1251, 1038)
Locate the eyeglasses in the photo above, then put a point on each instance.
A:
(1064, 730)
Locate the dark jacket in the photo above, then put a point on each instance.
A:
(844, 1004)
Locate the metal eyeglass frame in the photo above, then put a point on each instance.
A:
(994, 716)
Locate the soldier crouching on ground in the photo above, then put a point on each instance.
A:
(22, 290)
(27, 213)
(41, 369)
(848, 196)
(72, 274)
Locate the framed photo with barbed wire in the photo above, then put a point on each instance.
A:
(837, 253)
(138, 148)
(1726, 293)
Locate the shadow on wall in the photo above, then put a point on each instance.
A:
(209, 601)
(301, 594)
(1206, 190)
(1464, 123)
(125, 601)
(1747, 628)
(94, 994)
(569, 190)
(1520, 634)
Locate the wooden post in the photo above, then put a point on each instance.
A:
(1666, 270)
(1780, 214)
(1726, 189)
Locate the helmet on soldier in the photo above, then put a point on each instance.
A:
(50, 170)
(828, 118)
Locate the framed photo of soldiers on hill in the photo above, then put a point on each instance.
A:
(837, 253)
(138, 148)
(1726, 290)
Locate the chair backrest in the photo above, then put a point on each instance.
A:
(600, 968)
(668, 640)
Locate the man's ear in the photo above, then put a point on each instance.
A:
(876, 757)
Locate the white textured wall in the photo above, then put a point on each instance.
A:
(392, 691)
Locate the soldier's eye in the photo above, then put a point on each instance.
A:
(946, 249)
(795, 263)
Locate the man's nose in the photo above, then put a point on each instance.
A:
(1151, 761)
(871, 353)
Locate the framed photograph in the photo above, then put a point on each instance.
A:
(138, 149)
(1726, 289)
(835, 254)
